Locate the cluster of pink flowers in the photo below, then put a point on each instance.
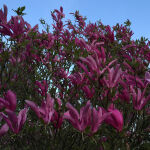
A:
(94, 93)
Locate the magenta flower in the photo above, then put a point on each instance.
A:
(46, 110)
(4, 27)
(113, 76)
(115, 118)
(97, 118)
(14, 122)
(18, 26)
(94, 65)
(139, 101)
(124, 94)
(9, 102)
(135, 81)
(77, 78)
(43, 87)
(79, 121)
(3, 15)
(57, 119)
(88, 92)
(4, 129)
(147, 76)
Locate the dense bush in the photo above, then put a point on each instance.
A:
(81, 86)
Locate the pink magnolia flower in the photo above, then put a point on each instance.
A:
(94, 66)
(18, 26)
(3, 15)
(89, 92)
(57, 17)
(77, 78)
(9, 102)
(57, 119)
(97, 118)
(147, 76)
(113, 76)
(4, 27)
(79, 121)
(124, 95)
(128, 67)
(46, 110)
(135, 81)
(43, 87)
(80, 42)
(115, 118)
(14, 122)
(139, 101)
(4, 129)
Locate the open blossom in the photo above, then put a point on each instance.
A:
(113, 76)
(94, 66)
(134, 81)
(13, 121)
(115, 118)
(57, 119)
(79, 120)
(139, 101)
(46, 110)
(4, 129)
(88, 117)
(124, 94)
(9, 102)
(97, 118)
(3, 15)
(42, 87)
(147, 76)
(89, 92)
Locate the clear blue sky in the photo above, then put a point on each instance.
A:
(109, 12)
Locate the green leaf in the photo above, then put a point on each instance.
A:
(20, 10)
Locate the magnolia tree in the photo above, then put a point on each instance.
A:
(81, 86)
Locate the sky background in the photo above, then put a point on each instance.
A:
(109, 12)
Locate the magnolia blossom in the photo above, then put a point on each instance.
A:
(79, 120)
(94, 66)
(9, 102)
(42, 87)
(88, 117)
(14, 122)
(139, 101)
(97, 118)
(147, 76)
(115, 118)
(4, 129)
(57, 119)
(113, 76)
(88, 92)
(45, 111)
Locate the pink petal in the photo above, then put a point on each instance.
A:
(74, 123)
(73, 112)
(4, 129)
(22, 116)
(11, 98)
(33, 106)
(147, 76)
(85, 115)
(9, 123)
